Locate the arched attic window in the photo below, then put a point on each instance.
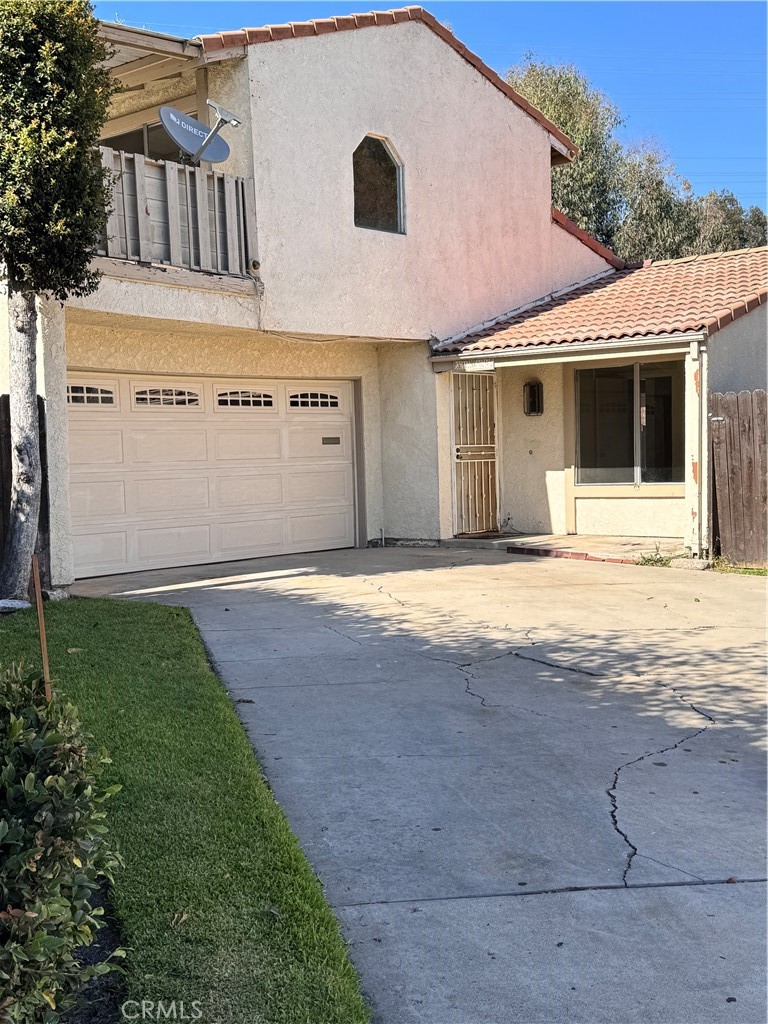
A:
(378, 181)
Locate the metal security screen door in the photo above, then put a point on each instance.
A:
(474, 439)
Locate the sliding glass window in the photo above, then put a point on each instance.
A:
(631, 424)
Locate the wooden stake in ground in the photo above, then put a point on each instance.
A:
(41, 626)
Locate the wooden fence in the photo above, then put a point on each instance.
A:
(43, 547)
(739, 526)
(181, 216)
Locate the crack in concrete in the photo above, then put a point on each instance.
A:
(614, 797)
(672, 867)
(638, 886)
(338, 632)
(562, 668)
(684, 699)
(612, 792)
(467, 677)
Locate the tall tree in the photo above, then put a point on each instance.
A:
(589, 190)
(54, 194)
(632, 200)
(725, 224)
(755, 227)
(658, 220)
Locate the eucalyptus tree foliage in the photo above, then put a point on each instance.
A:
(588, 190)
(658, 220)
(631, 199)
(725, 224)
(54, 194)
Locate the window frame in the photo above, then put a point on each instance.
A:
(637, 481)
(110, 386)
(314, 401)
(166, 407)
(221, 390)
(399, 180)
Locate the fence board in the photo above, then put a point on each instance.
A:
(165, 212)
(142, 209)
(231, 208)
(113, 246)
(203, 224)
(43, 544)
(733, 449)
(249, 206)
(747, 474)
(174, 213)
(739, 476)
(760, 435)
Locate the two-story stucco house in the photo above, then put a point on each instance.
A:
(368, 322)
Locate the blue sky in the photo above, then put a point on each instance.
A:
(689, 74)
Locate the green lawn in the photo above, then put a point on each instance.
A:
(216, 900)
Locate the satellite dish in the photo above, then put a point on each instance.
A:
(190, 135)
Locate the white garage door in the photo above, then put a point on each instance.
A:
(171, 472)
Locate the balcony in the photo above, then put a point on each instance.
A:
(175, 215)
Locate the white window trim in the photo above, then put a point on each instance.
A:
(167, 386)
(106, 385)
(265, 409)
(335, 404)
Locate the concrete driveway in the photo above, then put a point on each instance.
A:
(533, 788)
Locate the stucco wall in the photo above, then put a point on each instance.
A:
(477, 187)
(229, 83)
(738, 354)
(632, 517)
(409, 442)
(531, 453)
(180, 349)
(571, 260)
(156, 297)
(153, 94)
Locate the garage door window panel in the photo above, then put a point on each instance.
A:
(91, 394)
(233, 399)
(166, 398)
(313, 400)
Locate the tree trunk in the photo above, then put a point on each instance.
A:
(25, 446)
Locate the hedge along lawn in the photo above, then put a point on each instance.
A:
(217, 901)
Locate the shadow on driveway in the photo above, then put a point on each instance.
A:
(527, 785)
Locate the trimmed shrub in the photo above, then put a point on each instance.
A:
(53, 850)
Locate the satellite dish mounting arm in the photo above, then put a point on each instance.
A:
(223, 116)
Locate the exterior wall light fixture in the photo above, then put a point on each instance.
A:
(533, 398)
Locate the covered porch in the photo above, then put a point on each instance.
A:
(581, 453)
(584, 414)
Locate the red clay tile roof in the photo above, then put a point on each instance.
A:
(374, 19)
(591, 243)
(695, 294)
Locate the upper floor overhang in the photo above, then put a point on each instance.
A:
(140, 56)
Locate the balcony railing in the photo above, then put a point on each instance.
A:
(180, 216)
